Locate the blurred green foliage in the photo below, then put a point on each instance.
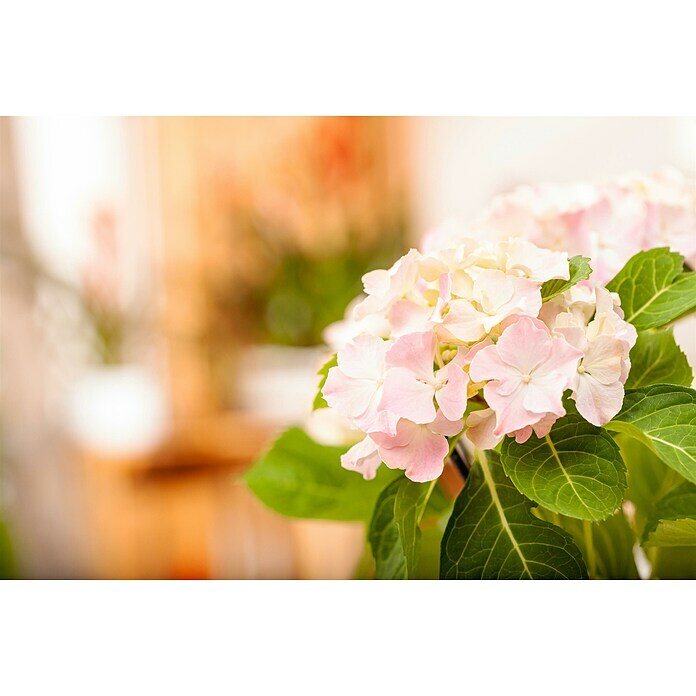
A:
(7, 561)
(298, 294)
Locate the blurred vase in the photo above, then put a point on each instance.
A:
(277, 384)
(118, 410)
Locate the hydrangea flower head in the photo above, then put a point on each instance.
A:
(463, 330)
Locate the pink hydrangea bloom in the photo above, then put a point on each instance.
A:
(529, 369)
(608, 221)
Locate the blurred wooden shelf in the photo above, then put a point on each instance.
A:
(230, 439)
(184, 512)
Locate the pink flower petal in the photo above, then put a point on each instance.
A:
(414, 352)
(463, 323)
(603, 359)
(363, 457)
(444, 426)
(415, 449)
(406, 317)
(509, 409)
(479, 429)
(363, 358)
(408, 397)
(452, 397)
(525, 344)
(350, 397)
(598, 403)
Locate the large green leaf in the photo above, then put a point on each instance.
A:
(576, 470)
(607, 546)
(319, 401)
(299, 478)
(579, 270)
(662, 416)
(394, 533)
(673, 522)
(492, 534)
(657, 359)
(654, 289)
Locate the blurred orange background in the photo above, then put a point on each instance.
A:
(165, 283)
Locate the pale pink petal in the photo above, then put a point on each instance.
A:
(416, 449)
(604, 358)
(479, 429)
(523, 434)
(407, 317)
(501, 295)
(543, 427)
(415, 352)
(536, 263)
(408, 397)
(463, 323)
(573, 335)
(376, 282)
(350, 397)
(363, 457)
(545, 396)
(444, 426)
(445, 285)
(487, 364)
(452, 397)
(493, 289)
(525, 344)
(363, 358)
(469, 355)
(596, 402)
(509, 409)
(376, 418)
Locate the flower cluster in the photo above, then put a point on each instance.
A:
(609, 222)
(459, 341)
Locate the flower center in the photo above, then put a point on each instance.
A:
(526, 379)
(581, 370)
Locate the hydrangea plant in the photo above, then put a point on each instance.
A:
(563, 403)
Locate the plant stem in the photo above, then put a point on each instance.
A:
(431, 487)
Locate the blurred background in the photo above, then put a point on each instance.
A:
(164, 287)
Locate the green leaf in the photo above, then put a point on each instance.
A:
(649, 478)
(579, 270)
(394, 532)
(657, 359)
(319, 401)
(654, 289)
(673, 522)
(299, 478)
(672, 563)
(663, 417)
(383, 535)
(607, 546)
(428, 567)
(492, 534)
(575, 470)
